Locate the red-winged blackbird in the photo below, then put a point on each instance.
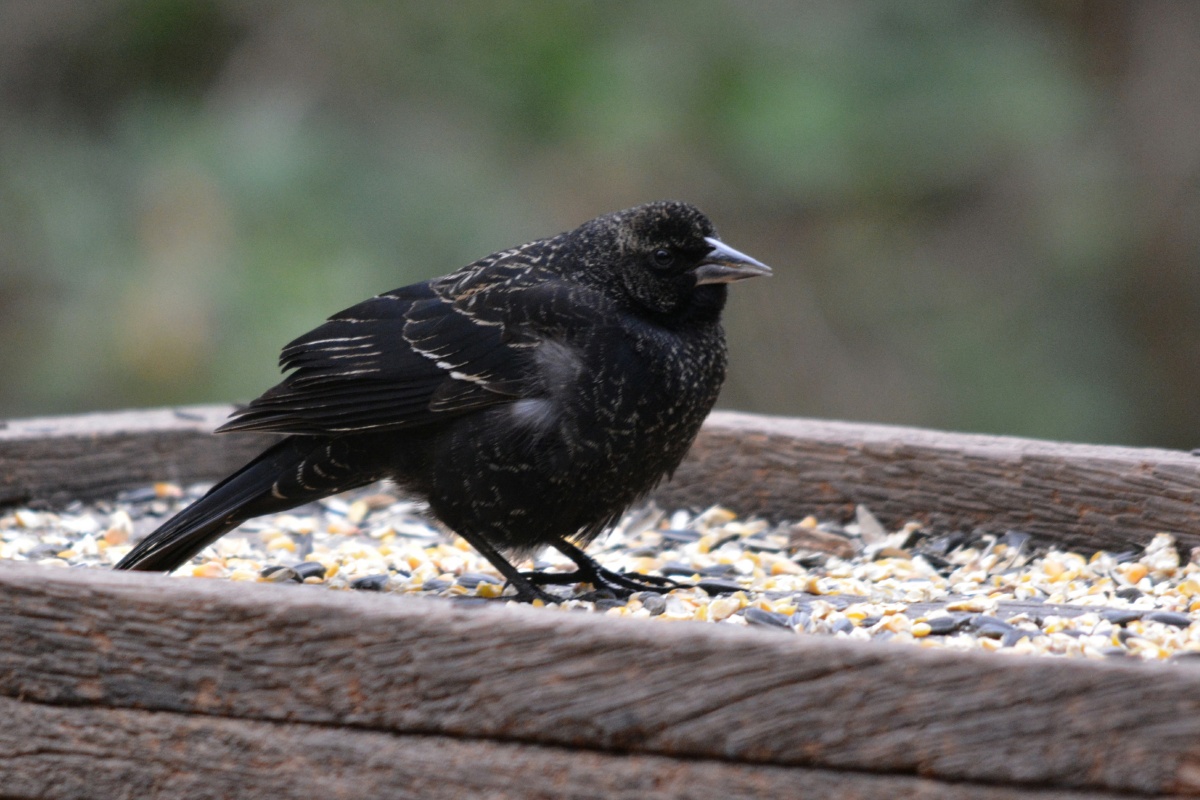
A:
(530, 397)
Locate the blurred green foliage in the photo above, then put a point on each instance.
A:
(954, 194)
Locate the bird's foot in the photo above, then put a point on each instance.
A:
(531, 593)
(638, 582)
(621, 584)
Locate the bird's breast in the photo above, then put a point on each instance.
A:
(628, 395)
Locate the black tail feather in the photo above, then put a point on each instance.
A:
(279, 479)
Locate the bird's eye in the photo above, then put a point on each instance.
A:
(663, 258)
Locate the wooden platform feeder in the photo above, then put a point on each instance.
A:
(134, 686)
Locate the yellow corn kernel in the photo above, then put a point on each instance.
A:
(358, 511)
(489, 590)
(1133, 572)
(115, 536)
(782, 566)
(723, 608)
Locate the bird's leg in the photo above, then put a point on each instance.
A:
(527, 592)
(589, 571)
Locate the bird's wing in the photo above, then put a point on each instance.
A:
(416, 355)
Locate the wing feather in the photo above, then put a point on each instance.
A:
(416, 355)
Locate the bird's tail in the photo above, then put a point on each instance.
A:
(297, 470)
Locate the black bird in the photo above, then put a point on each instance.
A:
(530, 397)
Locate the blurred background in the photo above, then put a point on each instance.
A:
(983, 215)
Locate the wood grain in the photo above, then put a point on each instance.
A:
(63, 753)
(416, 667)
(91, 456)
(1086, 497)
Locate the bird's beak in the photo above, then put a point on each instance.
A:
(723, 264)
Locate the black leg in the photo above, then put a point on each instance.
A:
(527, 592)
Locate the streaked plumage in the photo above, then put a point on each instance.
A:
(530, 396)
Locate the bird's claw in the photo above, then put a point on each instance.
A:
(532, 593)
(642, 583)
(621, 584)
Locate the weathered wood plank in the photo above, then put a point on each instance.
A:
(64, 753)
(1088, 497)
(1082, 496)
(90, 456)
(414, 667)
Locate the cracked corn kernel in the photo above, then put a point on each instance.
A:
(357, 512)
(722, 608)
(1133, 572)
(282, 543)
(783, 566)
(489, 589)
(1188, 588)
(115, 536)
(164, 491)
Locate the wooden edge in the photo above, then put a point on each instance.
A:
(407, 666)
(61, 753)
(92, 456)
(1086, 497)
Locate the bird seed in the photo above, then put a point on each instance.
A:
(858, 580)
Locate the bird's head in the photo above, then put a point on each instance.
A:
(665, 256)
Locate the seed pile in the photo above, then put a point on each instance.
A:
(860, 581)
